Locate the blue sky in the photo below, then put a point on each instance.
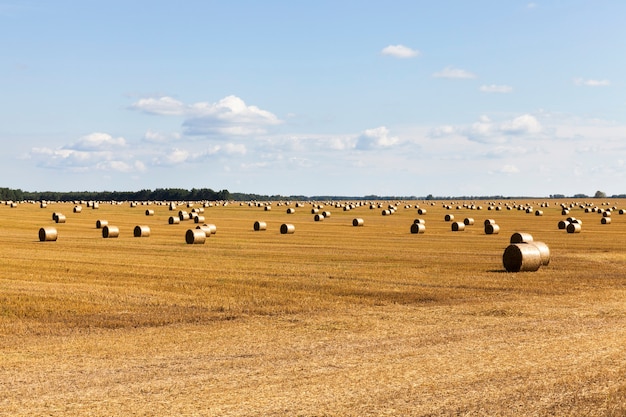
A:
(335, 97)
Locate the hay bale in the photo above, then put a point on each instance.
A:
(198, 219)
(605, 220)
(183, 215)
(101, 223)
(268, 208)
(326, 214)
(544, 251)
(48, 234)
(54, 215)
(287, 229)
(318, 217)
(60, 218)
(141, 231)
(458, 226)
(291, 210)
(492, 229)
(260, 226)
(520, 237)
(149, 212)
(468, 221)
(421, 211)
(419, 221)
(174, 220)
(418, 228)
(205, 228)
(563, 224)
(489, 221)
(110, 231)
(386, 212)
(521, 257)
(358, 222)
(195, 236)
(211, 227)
(448, 217)
(78, 209)
(574, 228)
(539, 213)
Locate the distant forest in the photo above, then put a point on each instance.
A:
(207, 194)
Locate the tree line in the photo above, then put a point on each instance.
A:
(160, 194)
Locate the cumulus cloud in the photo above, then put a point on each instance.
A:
(487, 131)
(591, 83)
(509, 169)
(230, 116)
(454, 73)
(524, 124)
(158, 137)
(97, 141)
(399, 51)
(377, 138)
(493, 88)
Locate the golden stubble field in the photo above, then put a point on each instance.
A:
(333, 320)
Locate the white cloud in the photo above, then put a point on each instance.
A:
(230, 116)
(454, 73)
(493, 88)
(158, 137)
(400, 51)
(377, 138)
(97, 141)
(591, 83)
(524, 124)
(509, 169)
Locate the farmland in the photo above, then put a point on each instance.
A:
(331, 320)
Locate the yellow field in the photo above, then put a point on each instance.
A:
(333, 320)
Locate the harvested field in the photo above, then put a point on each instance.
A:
(333, 320)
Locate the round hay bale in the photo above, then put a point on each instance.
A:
(315, 210)
(539, 213)
(489, 221)
(458, 226)
(287, 229)
(54, 215)
(574, 228)
(519, 237)
(268, 208)
(174, 220)
(291, 210)
(149, 212)
(318, 217)
(419, 221)
(564, 212)
(622, 211)
(544, 250)
(78, 209)
(260, 226)
(205, 228)
(141, 231)
(605, 220)
(48, 234)
(468, 221)
(101, 223)
(198, 219)
(183, 215)
(606, 213)
(448, 217)
(195, 236)
(386, 212)
(521, 257)
(421, 211)
(60, 218)
(492, 229)
(110, 231)
(326, 213)
(563, 224)
(212, 228)
(358, 222)
(418, 228)
(43, 205)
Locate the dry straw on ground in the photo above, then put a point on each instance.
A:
(333, 321)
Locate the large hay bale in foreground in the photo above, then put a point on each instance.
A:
(48, 234)
(544, 251)
(287, 229)
(521, 257)
(418, 228)
(195, 236)
(520, 237)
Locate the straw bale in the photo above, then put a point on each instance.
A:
(520, 237)
(195, 236)
(521, 257)
(48, 234)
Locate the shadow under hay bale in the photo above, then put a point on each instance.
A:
(521, 257)
(48, 234)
